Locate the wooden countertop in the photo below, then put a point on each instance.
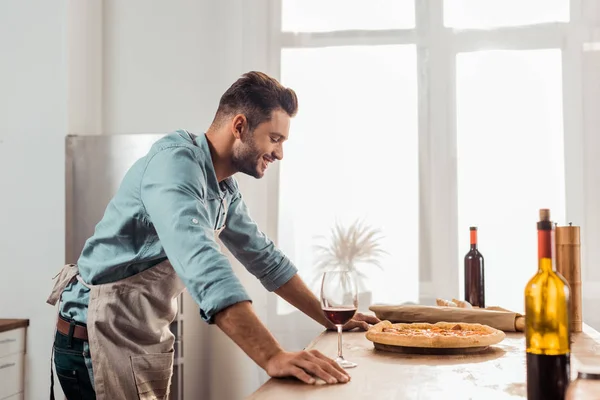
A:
(498, 373)
(10, 324)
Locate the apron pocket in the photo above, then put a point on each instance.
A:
(152, 374)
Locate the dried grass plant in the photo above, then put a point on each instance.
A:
(348, 248)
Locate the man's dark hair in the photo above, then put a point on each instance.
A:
(256, 95)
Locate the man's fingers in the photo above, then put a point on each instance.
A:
(333, 368)
(371, 319)
(315, 369)
(306, 366)
(356, 324)
(361, 321)
(339, 370)
(302, 375)
(317, 353)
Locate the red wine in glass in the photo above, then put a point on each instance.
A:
(339, 301)
(339, 315)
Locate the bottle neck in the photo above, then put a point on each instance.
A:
(546, 249)
(473, 240)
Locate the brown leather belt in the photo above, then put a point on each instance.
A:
(79, 332)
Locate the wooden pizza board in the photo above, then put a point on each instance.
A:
(430, 350)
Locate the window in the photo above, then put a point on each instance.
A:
(484, 14)
(352, 154)
(336, 15)
(477, 125)
(510, 161)
(590, 230)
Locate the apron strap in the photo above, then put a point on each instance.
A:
(80, 279)
(51, 374)
(51, 368)
(66, 274)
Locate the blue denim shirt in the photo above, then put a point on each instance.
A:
(168, 206)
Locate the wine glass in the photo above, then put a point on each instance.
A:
(339, 300)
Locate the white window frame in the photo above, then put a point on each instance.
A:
(437, 47)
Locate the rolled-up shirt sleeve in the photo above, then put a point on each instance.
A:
(172, 192)
(253, 249)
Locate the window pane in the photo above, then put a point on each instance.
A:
(336, 15)
(494, 13)
(352, 148)
(510, 161)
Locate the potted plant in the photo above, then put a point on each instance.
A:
(352, 248)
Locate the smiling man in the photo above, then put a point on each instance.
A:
(158, 237)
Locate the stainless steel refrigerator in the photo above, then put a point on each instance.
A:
(95, 166)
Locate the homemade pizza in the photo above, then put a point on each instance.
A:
(439, 335)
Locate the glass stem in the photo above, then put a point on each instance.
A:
(339, 329)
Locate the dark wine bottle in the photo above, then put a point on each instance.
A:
(547, 334)
(474, 273)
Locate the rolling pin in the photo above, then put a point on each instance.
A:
(519, 320)
(520, 323)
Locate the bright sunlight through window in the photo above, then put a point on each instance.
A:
(336, 15)
(482, 14)
(353, 153)
(510, 161)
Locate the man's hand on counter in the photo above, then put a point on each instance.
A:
(306, 365)
(360, 321)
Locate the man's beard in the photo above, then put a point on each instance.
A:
(246, 157)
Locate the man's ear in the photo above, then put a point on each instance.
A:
(239, 126)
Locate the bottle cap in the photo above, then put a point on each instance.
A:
(544, 214)
(473, 228)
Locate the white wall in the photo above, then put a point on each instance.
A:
(33, 123)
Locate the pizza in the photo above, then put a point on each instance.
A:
(439, 335)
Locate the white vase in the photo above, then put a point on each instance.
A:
(365, 299)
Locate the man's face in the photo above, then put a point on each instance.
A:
(254, 151)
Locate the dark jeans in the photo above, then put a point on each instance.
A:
(71, 369)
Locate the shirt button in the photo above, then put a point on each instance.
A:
(194, 220)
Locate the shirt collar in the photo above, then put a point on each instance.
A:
(214, 189)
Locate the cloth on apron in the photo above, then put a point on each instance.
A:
(130, 341)
(65, 276)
